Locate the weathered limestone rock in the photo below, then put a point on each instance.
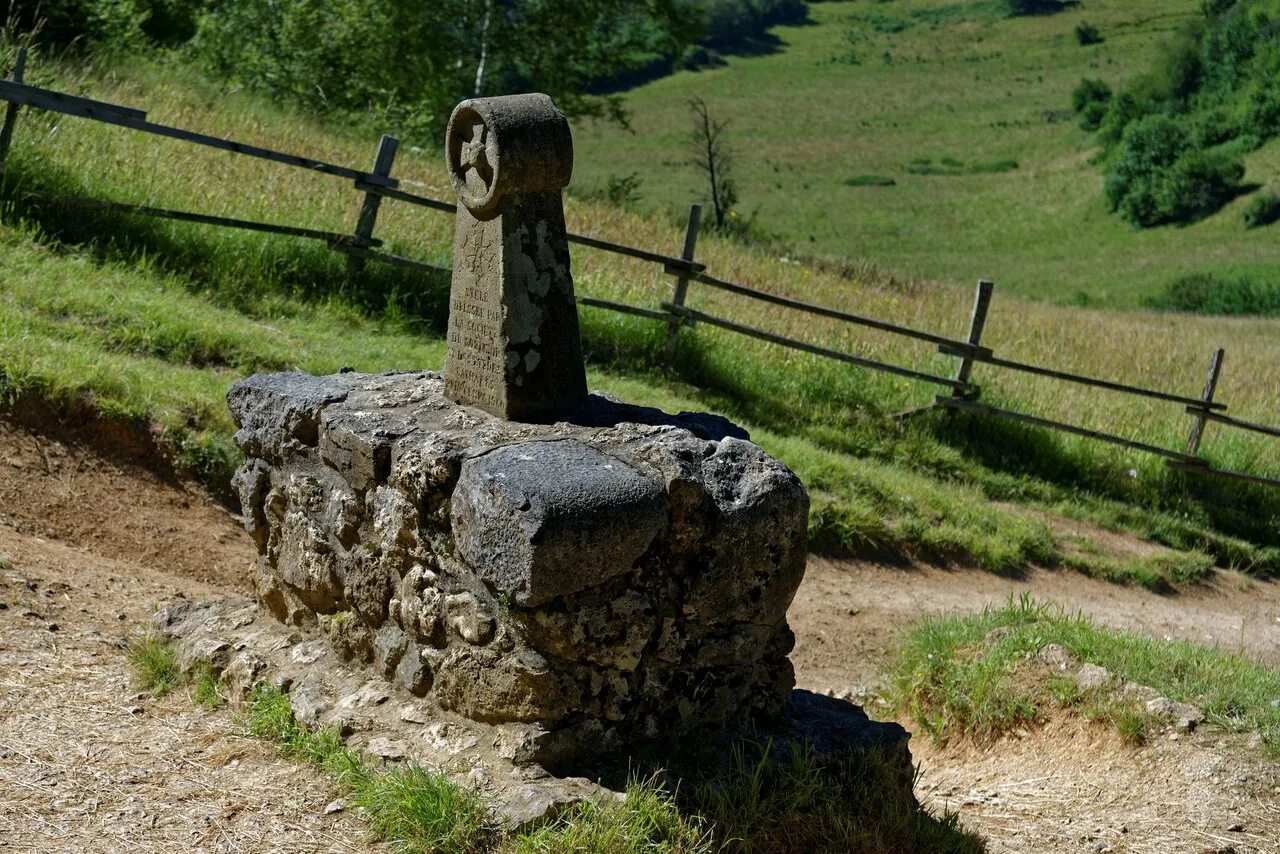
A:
(614, 577)
(513, 323)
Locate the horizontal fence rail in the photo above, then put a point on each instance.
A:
(701, 317)
(953, 346)
(378, 185)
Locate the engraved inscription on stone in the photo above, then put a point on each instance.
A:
(514, 349)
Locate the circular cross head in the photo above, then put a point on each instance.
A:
(509, 144)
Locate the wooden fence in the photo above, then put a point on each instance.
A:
(377, 185)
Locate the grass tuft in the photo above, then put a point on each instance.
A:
(411, 807)
(956, 678)
(422, 810)
(206, 688)
(154, 664)
(648, 821)
(859, 802)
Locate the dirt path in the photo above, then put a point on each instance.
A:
(87, 765)
(846, 613)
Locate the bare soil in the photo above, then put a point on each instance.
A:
(87, 763)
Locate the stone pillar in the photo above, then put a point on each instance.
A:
(514, 348)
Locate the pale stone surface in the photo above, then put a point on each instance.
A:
(514, 348)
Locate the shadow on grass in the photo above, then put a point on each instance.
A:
(241, 269)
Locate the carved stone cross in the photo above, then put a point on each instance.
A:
(513, 323)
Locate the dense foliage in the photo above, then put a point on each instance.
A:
(1263, 209)
(1174, 139)
(1205, 293)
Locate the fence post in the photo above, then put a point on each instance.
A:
(981, 302)
(682, 283)
(1210, 386)
(372, 201)
(11, 112)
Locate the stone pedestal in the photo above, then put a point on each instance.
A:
(618, 576)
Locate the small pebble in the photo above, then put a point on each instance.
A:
(334, 806)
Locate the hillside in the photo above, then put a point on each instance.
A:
(943, 97)
(149, 322)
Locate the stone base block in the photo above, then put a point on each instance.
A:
(618, 576)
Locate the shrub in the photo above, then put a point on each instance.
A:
(1158, 176)
(737, 23)
(1033, 7)
(1263, 209)
(1091, 99)
(1206, 293)
(1087, 34)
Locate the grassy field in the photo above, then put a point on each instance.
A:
(152, 321)
(942, 97)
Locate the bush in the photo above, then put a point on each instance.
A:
(1263, 209)
(123, 24)
(731, 24)
(1158, 176)
(1091, 99)
(1087, 34)
(1033, 7)
(1206, 293)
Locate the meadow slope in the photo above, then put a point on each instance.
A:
(152, 320)
(968, 113)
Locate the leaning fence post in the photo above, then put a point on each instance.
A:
(1210, 386)
(981, 302)
(11, 112)
(682, 283)
(372, 201)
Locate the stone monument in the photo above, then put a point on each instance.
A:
(492, 570)
(513, 324)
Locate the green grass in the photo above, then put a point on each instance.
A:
(154, 664)
(650, 821)
(206, 688)
(411, 807)
(936, 79)
(761, 805)
(857, 803)
(956, 682)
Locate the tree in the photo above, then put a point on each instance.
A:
(710, 155)
(410, 63)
